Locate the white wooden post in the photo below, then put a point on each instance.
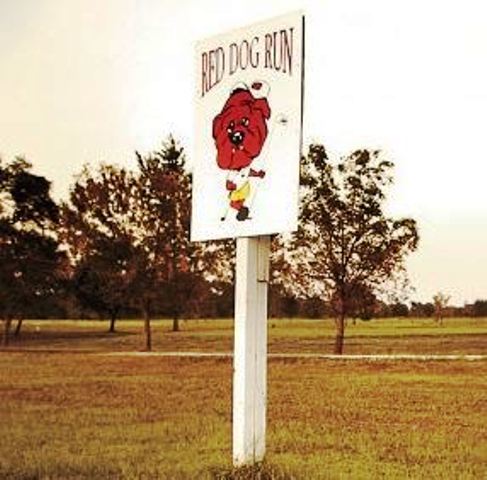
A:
(250, 350)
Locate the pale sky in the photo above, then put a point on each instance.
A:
(90, 81)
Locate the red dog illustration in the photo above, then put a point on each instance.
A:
(240, 131)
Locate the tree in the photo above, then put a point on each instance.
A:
(399, 310)
(440, 301)
(419, 309)
(32, 266)
(479, 308)
(346, 245)
(99, 229)
(165, 189)
(222, 294)
(180, 265)
(104, 279)
(132, 227)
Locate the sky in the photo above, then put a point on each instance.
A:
(86, 81)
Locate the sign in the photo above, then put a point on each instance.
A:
(248, 130)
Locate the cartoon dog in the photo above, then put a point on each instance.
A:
(240, 131)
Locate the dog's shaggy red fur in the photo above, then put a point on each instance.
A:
(240, 129)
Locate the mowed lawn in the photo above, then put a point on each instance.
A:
(384, 336)
(70, 411)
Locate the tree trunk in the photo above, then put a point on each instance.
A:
(6, 333)
(147, 330)
(18, 327)
(340, 334)
(175, 324)
(113, 318)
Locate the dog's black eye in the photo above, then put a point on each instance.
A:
(230, 127)
(245, 122)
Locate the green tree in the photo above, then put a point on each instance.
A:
(346, 243)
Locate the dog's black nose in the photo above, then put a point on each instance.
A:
(236, 137)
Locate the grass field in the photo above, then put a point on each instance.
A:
(92, 416)
(67, 411)
(397, 336)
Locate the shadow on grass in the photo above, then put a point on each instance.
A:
(260, 471)
(60, 340)
(54, 335)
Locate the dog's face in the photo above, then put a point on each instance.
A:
(240, 130)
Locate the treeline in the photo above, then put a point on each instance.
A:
(119, 246)
(220, 305)
(429, 310)
(282, 306)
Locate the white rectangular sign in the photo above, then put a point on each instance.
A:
(248, 98)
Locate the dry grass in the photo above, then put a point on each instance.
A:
(67, 412)
(89, 416)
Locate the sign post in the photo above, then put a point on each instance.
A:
(250, 350)
(248, 102)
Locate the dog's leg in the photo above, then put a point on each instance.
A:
(243, 214)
